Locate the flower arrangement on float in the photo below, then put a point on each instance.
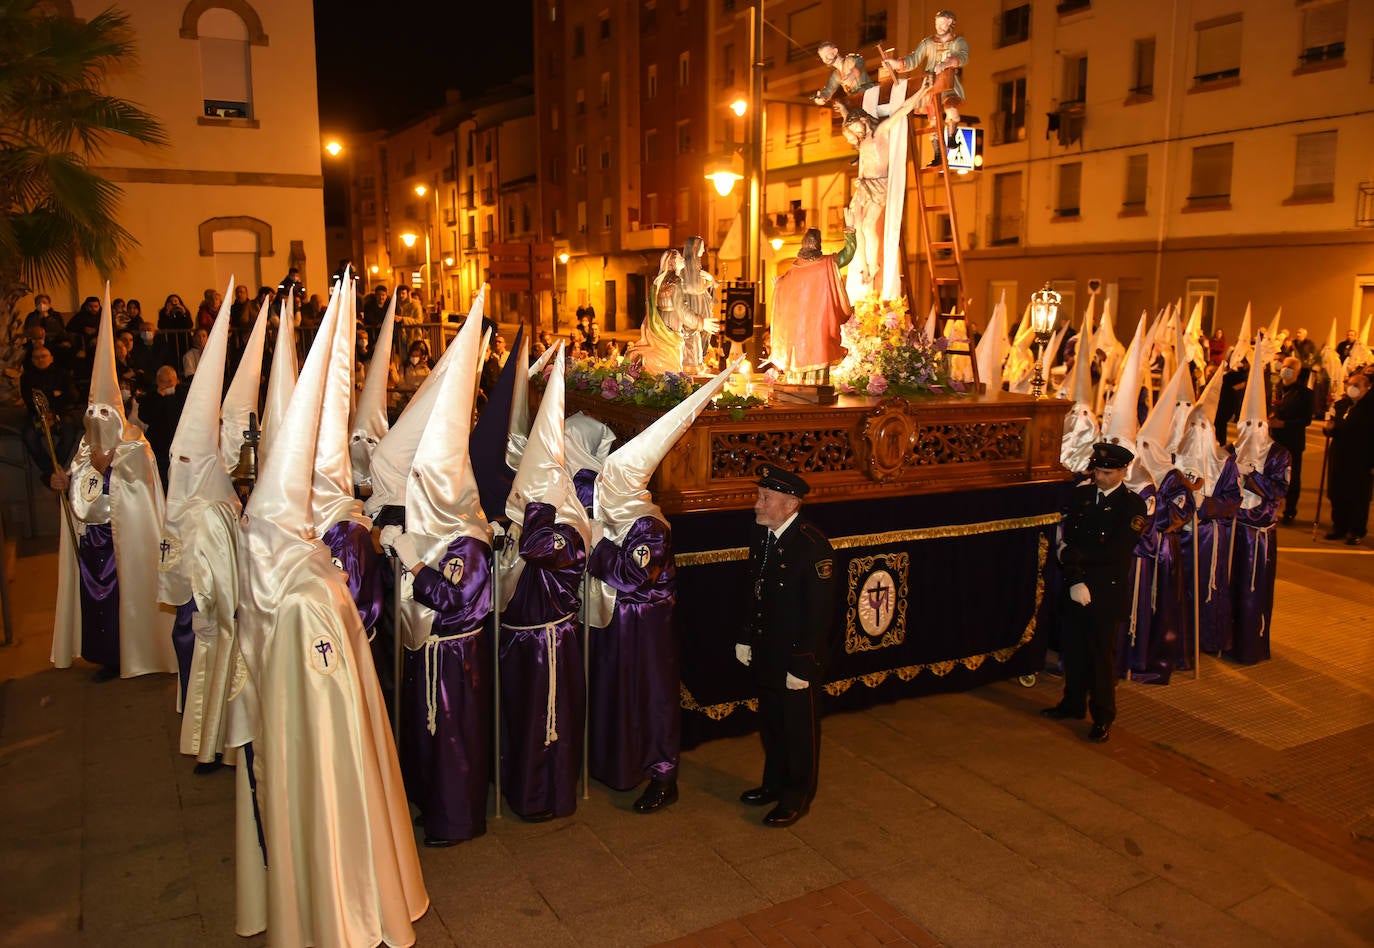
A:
(621, 381)
(888, 355)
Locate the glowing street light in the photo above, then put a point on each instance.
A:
(776, 243)
(409, 239)
(421, 190)
(448, 261)
(375, 268)
(334, 147)
(563, 258)
(740, 106)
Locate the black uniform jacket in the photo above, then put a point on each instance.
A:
(792, 605)
(1097, 545)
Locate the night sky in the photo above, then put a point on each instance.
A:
(386, 69)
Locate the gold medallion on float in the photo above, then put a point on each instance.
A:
(876, 617)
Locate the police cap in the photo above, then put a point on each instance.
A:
(783, 481)
(1110, 456)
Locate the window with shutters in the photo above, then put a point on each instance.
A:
(580, 102)
(651, 82)
(684, 69)
(1068, 189)
(1218, 50)
(1015, 23)
(1323, 34)
(684, 137)
(580, 158)
(603, 25)
(1009, 121)
(1314, 167)
(226, 72)
(1202, 290)
(605, 89)
(1210, 184)
(581, 217)
(607, 213)
(1143, 67)
(579, 41)
(1137, 184)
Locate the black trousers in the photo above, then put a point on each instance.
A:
(1349, 488)
(1290, 502)
(790, 727)
(1089, 653)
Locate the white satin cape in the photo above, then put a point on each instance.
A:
(342, 865)
(136, 506)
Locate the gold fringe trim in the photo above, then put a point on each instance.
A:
(717, 712)
(737, 553)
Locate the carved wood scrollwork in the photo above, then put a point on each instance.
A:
(806, 451)
(885, 438)
(965, 443)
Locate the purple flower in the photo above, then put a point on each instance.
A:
(609, 389)
(877, 384)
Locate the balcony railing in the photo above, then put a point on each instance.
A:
(1218, 76)
(1319, 54)
(488, 195)
(450, 217)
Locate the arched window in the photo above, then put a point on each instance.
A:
(238, 245)
(226, 64)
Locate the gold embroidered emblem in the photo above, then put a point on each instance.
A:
(1138, 524)
(876, 617)
(825, 569)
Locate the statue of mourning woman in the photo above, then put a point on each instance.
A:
(680, 314)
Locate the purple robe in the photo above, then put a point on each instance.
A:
(350, 544)
(184, 643)
(1255, 565)
(543, 694)
(99, 592)
(636, 725)
(446, 727)
(1133, 635)
(1216, 515)
(1170, 642)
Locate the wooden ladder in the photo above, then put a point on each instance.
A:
(944, 258)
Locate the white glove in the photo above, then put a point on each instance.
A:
(386, 538)
(743, 654)
(404, 548)
(1078, 592)
(796, 684)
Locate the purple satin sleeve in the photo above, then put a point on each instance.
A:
(641, 569)
(549, 587)
(584, 482)
(459, 590)
(350, 543)
(1148, 544)
(1170, 514)
(1271, 484)
(550, 545)
(1224, 503)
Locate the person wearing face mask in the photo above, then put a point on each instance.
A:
(149, 353)
(1350, 425)
(415, 368)
(1288, 421)
(161, 410)
(106, 608)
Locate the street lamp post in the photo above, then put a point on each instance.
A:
(1044, 313)
(557, 297)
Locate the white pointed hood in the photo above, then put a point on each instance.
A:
(622, 487)
(1198, 454)
(391, 459)
(1080, 424)
(930, 322)
(992, 348)
(1241, 349)
(370, 422)
(331, 499)
(1331, 361)
(1252, 430)
(281, 379)
(196, 478)
(1152, 441)
(543, 474)
(587, 442)
(519, 430)
(1274, 325)
(1193, 350)
(442, 500)
(104, 421)
(242, 398)
(1183, 397)
(1119, 422)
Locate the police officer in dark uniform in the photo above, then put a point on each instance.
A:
(1099, 532)
(787, 642)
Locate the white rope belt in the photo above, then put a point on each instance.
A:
(551, 705)
(431, 647)
(1212, 570)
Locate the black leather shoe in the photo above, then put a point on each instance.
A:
(1060, 713)
(434, 842)
(1100, 733)
(208, 766)
(1352, 541)
(759, 796)
(1287, 519)
(543, 816)
(657, 795)
(1333, 535)
(105, 673)
(784, 815)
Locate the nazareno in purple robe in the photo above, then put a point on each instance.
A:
(1255, 566)
(1133, 634)
(350, 544)
(543, 694)
(1170, 643)
(446, 719)
(99, 592)
(636, 724)
(1216, 514)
